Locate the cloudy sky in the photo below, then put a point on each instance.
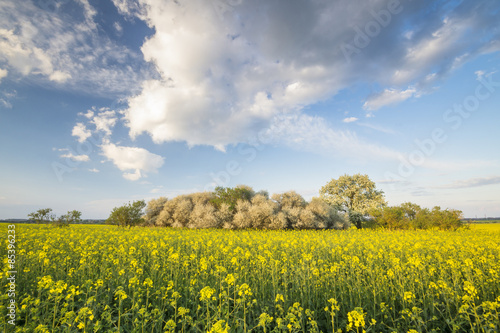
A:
(107, 101)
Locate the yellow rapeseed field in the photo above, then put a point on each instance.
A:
(110, 279)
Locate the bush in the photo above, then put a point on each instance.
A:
(290, 199)
(127, 215)
(153, 210)
(412, 216)
(242, 208)
(204, 216)
(262, 211)
(327, 216)
(231, 196)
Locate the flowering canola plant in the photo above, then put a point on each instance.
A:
(107, 279)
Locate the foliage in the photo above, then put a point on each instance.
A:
(71, 217)
(127, 215)
(214, 210)
(42, 215)
(354, 195)
(100, 279)
(411, 216)
(153, 209)
(45, 216)
(230, 196)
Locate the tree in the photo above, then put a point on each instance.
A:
(154, 209)
(42, 215)
(230, 196)
(353, 195)
(70, 217)
(127, 215)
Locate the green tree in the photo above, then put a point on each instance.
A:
(127, 215)
(73, 217)
(353, 195)
(65, 220)
(230, 196)
(42, 215)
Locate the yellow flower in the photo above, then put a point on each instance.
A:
(206, 293)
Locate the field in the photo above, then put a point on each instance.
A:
(110, 279)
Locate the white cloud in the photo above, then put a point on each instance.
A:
(314, 134)
(118, 28)
(78, 158)
(388, 97)
(88, 115)
(444, 46)
(130, 8)
(3, 73)
(94, 170)
(227, 74)
(5, 103)
(104, 121)
(61, 46)
(350, 120)
(157, 190)
(59, 76)
(135, 162)
(232, 91)
(80, 131)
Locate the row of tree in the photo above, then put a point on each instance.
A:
(348, 200)
(241, 208)
(45, 215)
(412, 216)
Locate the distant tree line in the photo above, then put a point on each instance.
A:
(45, 215)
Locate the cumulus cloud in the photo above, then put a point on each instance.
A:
(474, 182)
(104, 120)
(81, 132)
(77, 158)
(134, 162)
(228, 72)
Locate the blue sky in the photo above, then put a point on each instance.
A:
(105, 102)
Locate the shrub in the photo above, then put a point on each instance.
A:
(242, 218)
(153, 210)
(327, 217)
(204, 216)
(127, 215)
(412, 216)
(262, 211)
(287, 210)
(231, 196)
(290, 199)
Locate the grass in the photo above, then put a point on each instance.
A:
(109, 279)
